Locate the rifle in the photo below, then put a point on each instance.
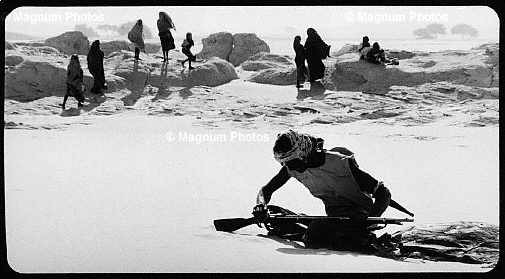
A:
(233, 224)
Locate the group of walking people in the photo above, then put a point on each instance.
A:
(314, 51)
(164, 23)
(75, 75)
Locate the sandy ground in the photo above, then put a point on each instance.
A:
(137, 191)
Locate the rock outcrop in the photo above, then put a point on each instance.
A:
(36, 72)
(476, 68)
(74, 42)
(217, 45)
(34, 78)
(235, 48)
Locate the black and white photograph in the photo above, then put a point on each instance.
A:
(251, 139)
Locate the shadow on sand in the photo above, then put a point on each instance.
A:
(315, 91)
(298, 249)
(71, 112)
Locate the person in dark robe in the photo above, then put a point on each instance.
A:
(316, 50)
(186, 49)
(95, 67)
(75, 84)
(165, 23)
(136, 37)
(376, 54)
(301, 70)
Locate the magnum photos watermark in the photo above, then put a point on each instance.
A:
(34, 18)
(199, 138)
(377, 18)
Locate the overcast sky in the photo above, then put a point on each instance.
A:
(334, 21)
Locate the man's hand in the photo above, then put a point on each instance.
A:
(260, 213)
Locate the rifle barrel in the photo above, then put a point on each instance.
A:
(369, 219)
(397, 206)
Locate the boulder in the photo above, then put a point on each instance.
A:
(275, 76)
(8, 46)
(13, 60)
(265, 60)
(35, 78)
(217, 45)
(74, 42)
(38, 72)
(213, 72)
(244, 46)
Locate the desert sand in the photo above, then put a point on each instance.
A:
(133, 181)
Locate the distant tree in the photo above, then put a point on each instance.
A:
(465, 29)
(86, 30)
(423, 33)
(436, 28)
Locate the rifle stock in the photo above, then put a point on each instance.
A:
(233, 224)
